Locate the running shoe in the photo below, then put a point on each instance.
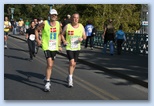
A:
(5, 46)
(47, 86)
(70, 83)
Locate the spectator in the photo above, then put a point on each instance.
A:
(109, 35)
(88, 30)
(120, 38)
(21, 26)
(27, 23)
(14, 24)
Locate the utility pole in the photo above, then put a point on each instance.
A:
(144, 19)
(50, 9)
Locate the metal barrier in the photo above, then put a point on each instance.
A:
(135, 43)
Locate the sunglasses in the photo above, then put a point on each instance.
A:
(53, 14)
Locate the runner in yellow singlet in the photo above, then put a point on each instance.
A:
(7, 26)
(51, 41)
(75, 33)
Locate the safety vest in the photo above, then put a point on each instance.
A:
(72, 36)
(50, 36)
(6, 23)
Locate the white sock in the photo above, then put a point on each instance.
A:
(70, 77)
(47, 80)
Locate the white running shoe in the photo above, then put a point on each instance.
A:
(5, 46)
(47, 86)
(70, 83)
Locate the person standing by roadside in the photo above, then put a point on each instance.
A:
(14, 24)
(51, 40)
(88, 29)
(109, 35)
(7, 26)
(30, 36)
(75, 33)
(120, 38)
(21, 26)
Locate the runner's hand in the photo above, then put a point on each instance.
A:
(39, 43)
(80, 39)
(60, 49)
(65, 43)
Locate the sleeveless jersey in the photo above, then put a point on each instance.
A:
(50, 36)
(6, 23)
(72, 36)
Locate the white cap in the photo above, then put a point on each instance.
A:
(53, 11)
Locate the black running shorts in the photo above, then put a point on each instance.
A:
(50, 54)
(6, 33)
(73, 55)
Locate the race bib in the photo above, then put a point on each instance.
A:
(74, 42)
(32, 37)
(52, 45)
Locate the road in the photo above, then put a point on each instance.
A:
(23, 79)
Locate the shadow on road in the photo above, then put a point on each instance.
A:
(28, 79)
(23, 80)
(16, 57)
(19, 49)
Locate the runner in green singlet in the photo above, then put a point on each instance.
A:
(51, 41)
(75, 33)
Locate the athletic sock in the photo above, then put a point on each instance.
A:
(70, 77)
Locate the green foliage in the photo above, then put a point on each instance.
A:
(126, 14)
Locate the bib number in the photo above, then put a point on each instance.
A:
(74, 42)
(32, 37)
(52, 45)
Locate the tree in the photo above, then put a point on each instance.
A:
(126, 14)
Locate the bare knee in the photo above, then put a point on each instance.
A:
(72, 63)
(49, 64)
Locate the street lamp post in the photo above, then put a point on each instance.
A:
(144, 18)
(12, 12)
(51, 6)
(50, 9)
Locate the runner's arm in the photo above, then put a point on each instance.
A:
(26, 34)
(83, 35)
(62, 35)
(9, 25)
(59, 40)
(37, 29)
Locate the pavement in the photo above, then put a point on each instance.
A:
(131, 67)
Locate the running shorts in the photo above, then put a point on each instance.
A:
(6, 33)
(73, 55)
(50, 54)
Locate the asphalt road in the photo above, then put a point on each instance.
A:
(23, 80)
